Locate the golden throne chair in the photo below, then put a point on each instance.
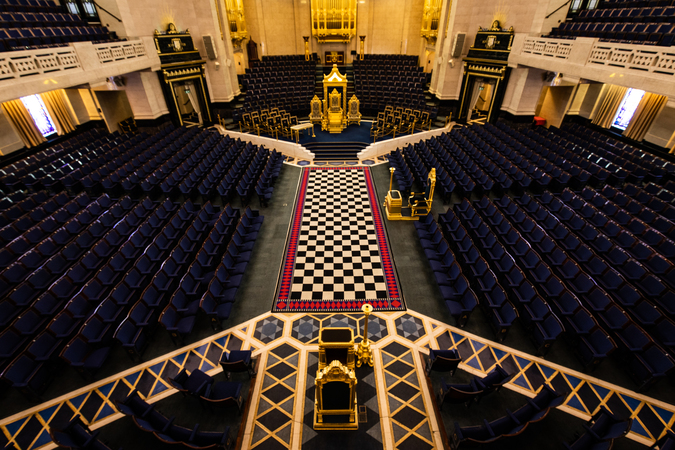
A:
(354, 115)
(335, 383)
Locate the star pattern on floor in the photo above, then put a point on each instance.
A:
(268, 329)
(409, 327)
(306, 329)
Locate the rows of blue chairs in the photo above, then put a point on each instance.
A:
(511, 256)
(265, 186)
(44, 162)
(448, 149)
(638, 164)
(29, 6)
(41, 24)
(493, 299)
(148, 419)
(34, 306)
(403, 174)
(286, 83)
(624, 22)
(459, 298)
(136, 152)
(548, 170)
(53, 254)
(221, 292)
(510, 425)
(180, 313)
(602, 289)
(41, 19)
(187, 177)
(390, 80)
(178, 144)
(150, 179)
(137, 290)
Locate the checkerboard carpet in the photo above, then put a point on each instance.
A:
(337, 256)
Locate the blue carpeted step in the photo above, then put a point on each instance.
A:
(335, 150)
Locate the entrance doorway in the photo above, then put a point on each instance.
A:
(481, 99)
(190, 102)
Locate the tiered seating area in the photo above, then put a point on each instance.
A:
(285, 82)
(628, 22)
(82, 272)
(592, 265)
(381, 80)
(26, 24)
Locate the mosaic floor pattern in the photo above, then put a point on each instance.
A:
(337, 255)
(286, 344)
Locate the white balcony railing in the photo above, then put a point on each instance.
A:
(633, 58)
(658, 60)
(553, 48)
(26, 63)
(119, 51)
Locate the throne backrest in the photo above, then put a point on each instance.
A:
(336, 395)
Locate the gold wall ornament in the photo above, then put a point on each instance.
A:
(236, 20)
(335, 395)
(177, 44)
(306, 38)
(363, 42)
(364, 355)
(431, 17)
(333, 20)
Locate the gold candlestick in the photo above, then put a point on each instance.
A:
(363, 353)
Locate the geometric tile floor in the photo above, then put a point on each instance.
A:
(285, 343)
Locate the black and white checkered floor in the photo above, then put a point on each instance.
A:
(338, 256)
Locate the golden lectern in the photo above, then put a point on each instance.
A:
(335, 384)
(419, 203)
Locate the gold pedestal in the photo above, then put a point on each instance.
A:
(364, 355)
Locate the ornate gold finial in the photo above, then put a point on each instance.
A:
(364, 354)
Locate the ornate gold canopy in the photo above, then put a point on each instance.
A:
(335, 104)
